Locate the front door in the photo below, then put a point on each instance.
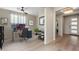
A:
(73, 26)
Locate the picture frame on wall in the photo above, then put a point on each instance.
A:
(41, 20)
(4, 20)
(30, 22)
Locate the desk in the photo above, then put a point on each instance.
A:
(40, 35)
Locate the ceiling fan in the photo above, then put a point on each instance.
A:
(22, 9)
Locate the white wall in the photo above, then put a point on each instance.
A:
(41, 13)
(49, 25)
(78, 23)
(33, 18)
(60, 24)
(67, 25)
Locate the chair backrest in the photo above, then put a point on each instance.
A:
(24, 32)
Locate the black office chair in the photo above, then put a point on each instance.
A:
(41, 35)
(26, 33)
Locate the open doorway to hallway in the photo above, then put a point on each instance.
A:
(67, 20)
(67, 28)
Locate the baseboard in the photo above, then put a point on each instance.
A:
(72, 34)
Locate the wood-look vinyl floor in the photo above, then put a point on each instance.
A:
(65, 43)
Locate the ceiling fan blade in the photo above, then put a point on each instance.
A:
(22, 9)
(25, 13)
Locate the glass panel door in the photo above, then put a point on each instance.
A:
(73, 26)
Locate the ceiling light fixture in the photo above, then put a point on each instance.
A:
(68, 10)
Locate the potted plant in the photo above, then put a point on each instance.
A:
(36, 30)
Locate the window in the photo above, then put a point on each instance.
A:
(74, 32)
(74, 23)
(18, 19)
(73, 27)
(41, 20)
(74, 19)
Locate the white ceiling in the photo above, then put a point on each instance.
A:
(61, 11)
(30, 10)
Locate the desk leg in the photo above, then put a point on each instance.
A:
(12, 36)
